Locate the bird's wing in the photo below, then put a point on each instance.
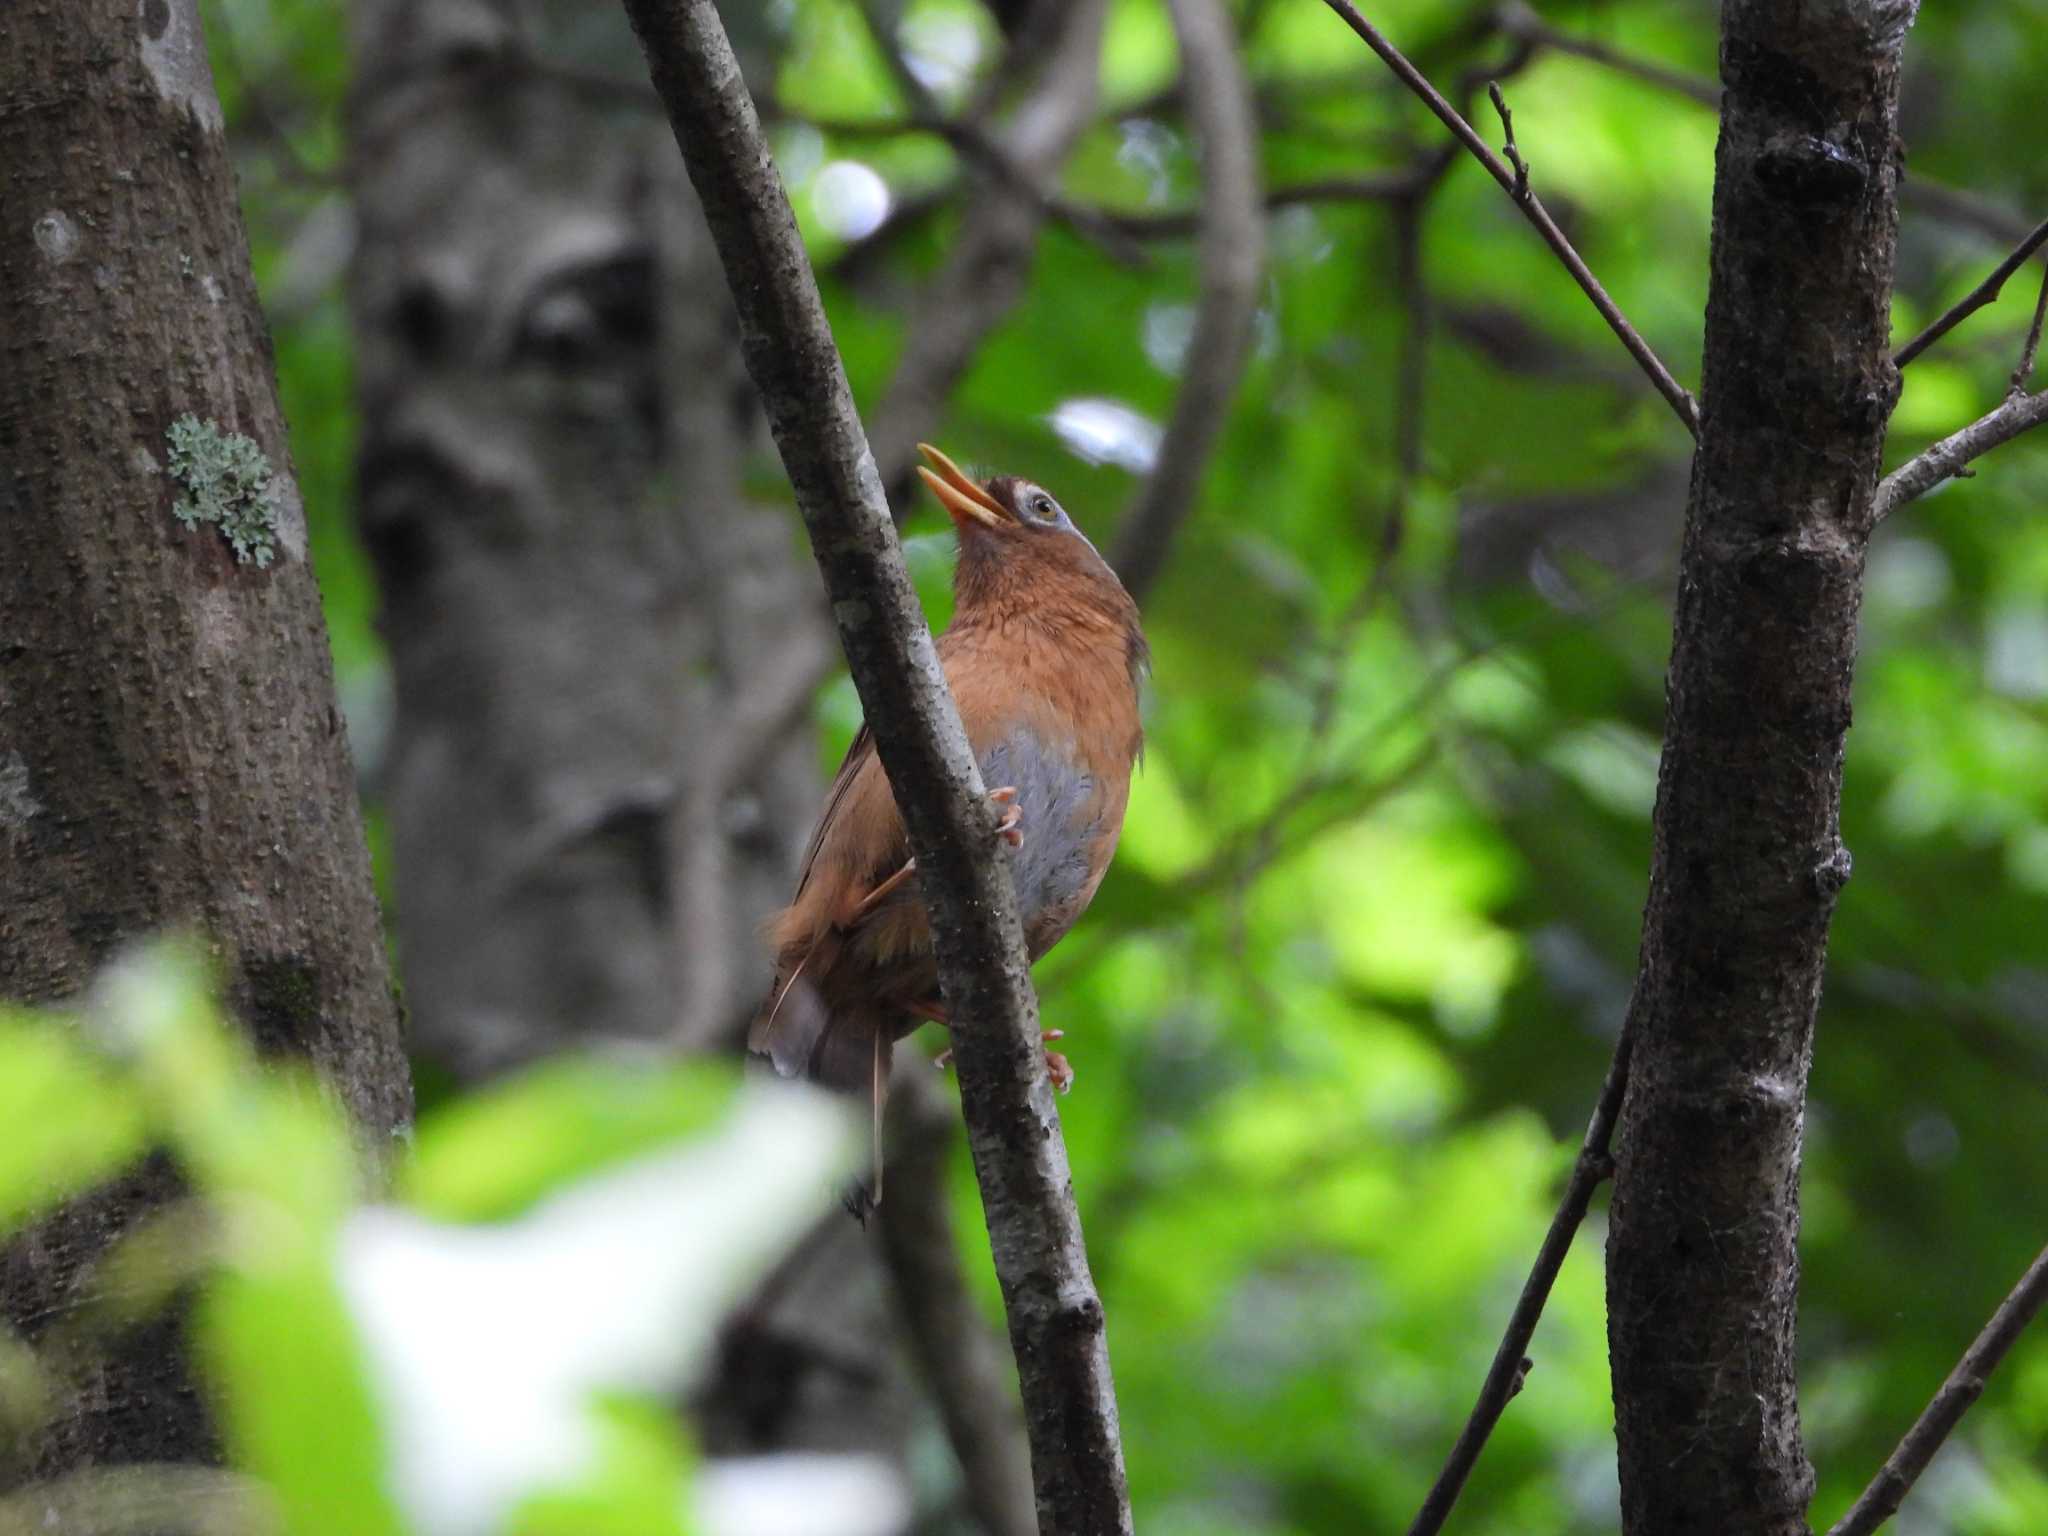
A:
(858, 751)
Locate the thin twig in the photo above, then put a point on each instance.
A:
(1532, 208)
(1520, 189)
(1965, 1384)
(1233, 263)
(1519, 21)
(1511, 1363)
(1020, 1159)
(1938, 198)
(1984, 293)
(2025, 371)
(1178, 223)
(1947, 459)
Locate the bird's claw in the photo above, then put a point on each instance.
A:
(1009, 829)
(1057, 1067)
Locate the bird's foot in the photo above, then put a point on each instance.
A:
(1009, 828)
(1057, 1067)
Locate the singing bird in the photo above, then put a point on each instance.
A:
(1044, 657)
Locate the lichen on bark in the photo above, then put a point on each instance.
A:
(228, 484)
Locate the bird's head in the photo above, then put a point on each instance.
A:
(1018, 546)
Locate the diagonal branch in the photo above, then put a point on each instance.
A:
(2025, 370)
(1984, 293)
(1947, 459)
(1233, 261)
(1510, 1361)
(1055, 1315)
(1945, 202)
(1965, 1384)
(1517, 188)
(955, 1347)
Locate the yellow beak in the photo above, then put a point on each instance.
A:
(959, 495)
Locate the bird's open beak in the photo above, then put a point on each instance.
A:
(957, 494)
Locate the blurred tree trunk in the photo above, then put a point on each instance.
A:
(1798, 385)
(601, 770)
(170, 752)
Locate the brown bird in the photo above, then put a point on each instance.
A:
(1043, 657)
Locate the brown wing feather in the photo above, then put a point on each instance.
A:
(858, 751)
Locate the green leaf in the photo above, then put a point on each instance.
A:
(494, 1154)
(69, 1123)
(637, 1485)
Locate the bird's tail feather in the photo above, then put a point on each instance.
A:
(849, 1050)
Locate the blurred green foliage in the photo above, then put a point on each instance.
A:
(301, 1284)
(1345, 1000)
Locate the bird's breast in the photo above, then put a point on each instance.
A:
(1070, 816)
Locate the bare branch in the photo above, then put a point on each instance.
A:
(1969, 210)
(1233, 262)
(2025, 371)
(987, 267)
(1510, 1361)
(1507, 127)
(1965, 1384)
(1055, 1314)
(1946, 459)
(951, 1339)
(1532, 208)
(705, 945)
(1178, 223)
(1517, 20)
(1984, 293)
(1938, 198)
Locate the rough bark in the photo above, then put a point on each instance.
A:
(1798, 384)
(600, 770)
(575, 589)
(1057, 1329)
(170, 751)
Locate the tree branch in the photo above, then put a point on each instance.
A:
(2025, 370)
(705, 946)
(1946, 459)
(1178, 223)
(1532, 208)
(1984, 293)
(1746, 854)
(948, 1334)
(1517, 20)
(1510, 1361)
(1965, 1384)
(1055, 1315)
(1233, 262)
(1938, 198)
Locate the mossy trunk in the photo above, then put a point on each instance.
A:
(170, 752)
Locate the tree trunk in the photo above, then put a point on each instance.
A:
(170, 751)
(1798, 384)
(602, 769)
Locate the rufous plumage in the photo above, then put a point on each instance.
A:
(1043, 656)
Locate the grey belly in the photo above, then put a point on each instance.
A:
(1060, 819)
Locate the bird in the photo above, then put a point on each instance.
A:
(1045, 656)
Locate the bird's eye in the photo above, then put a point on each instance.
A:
(1041, 504)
